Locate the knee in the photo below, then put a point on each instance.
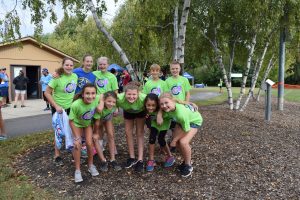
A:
(183, 142)
(95, 137)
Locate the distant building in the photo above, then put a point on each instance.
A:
(30, 56)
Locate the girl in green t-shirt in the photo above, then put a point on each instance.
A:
(156, 131)
(104, 119)
(188, 120)
(81, 115)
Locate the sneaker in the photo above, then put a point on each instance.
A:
(130, 162)
(46, 109)
(83, 152)
(15, 106)
(181, 166)
(78, 177)
(150, 165)
(93, 170)
(186, 170)
(58, 161)
(169, 161)
(115, 165)
(103, 166)
(139, 166)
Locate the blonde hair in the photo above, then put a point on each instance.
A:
(154, 66)
(102, 58)
(171, 97)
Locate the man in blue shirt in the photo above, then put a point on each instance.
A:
(45, 79)
(4, 86)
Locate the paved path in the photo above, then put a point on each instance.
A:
(30, 119)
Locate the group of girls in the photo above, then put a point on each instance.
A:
(97, 102)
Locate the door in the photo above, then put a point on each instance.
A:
(14, 72)
(33, 90)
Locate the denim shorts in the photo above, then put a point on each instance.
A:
(192, 125)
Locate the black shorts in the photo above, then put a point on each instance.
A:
(53, 110)
(128, 115)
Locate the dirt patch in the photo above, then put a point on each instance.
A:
(235, 156)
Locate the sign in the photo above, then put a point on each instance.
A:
(236, 75)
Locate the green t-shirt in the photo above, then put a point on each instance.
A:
(135, 107)
(64, 89)
(105, 82)
(81, 113)
(157, 87)
(105, 114)
(164, 126)
(178, 86)
(184, 115)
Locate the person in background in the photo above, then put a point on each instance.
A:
(20, 88)
(45, 79)
(4, 86)
(125, 78)
(3, 136)
(220, 85)
(145, 77)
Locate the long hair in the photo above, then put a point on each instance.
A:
(152, 97)
(61, 70)
(79, 95)
(109, 94)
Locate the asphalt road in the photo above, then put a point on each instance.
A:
(26, 125)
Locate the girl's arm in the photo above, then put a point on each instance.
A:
(76, 134)
(48, 95)
(100, 106)
(187, 96)
(187, 103)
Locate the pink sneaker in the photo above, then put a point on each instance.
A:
(169, 161)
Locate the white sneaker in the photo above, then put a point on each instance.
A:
(78, 177)
(93, 170)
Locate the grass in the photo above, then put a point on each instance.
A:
(292, 95)
(12, 184)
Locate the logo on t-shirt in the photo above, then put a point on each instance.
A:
(88, 115)
(70, 87)
(176, 89)
(102, 82)
(107, 117)
(189, 106)
(156, 90)
(82, 81)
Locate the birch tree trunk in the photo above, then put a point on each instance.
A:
(231, 58)
(243, 86)
(182, 30)
(111, 40)
(175, 35)
(270, 65)
(256, 76)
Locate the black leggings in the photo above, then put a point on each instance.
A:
(161, 136)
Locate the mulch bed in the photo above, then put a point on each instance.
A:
(236, 155)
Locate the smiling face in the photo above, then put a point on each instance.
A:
(131, 95)
(151, 106)
(167, 104)
(102, 65)
(110, 102)
(68, 66)
(155, 73)
(87, 63)
(175, 70)
(89, 95)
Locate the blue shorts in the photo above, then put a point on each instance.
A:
(4, 92)
(192, 125)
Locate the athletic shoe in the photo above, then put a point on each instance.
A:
(139, 166)
(83, 152)
(15, 106)
(130, 162)
(169, 161)
(103, 166)
(58, 161)
(78, 177)
(186, 171)
(93, 170)
(46, 109)
(115, 165)
(181, 166)
(150, 165)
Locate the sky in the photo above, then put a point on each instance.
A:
(27, 28)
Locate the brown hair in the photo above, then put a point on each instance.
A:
(86, 55)
(174, 62)
(61, 70)
(133, 85)
(109, 94)
(79, 95)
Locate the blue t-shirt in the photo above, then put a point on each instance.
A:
(44, 81)
(83, 78)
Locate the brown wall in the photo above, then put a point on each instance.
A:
(29, 55)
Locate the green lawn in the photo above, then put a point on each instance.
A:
(292, 95)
